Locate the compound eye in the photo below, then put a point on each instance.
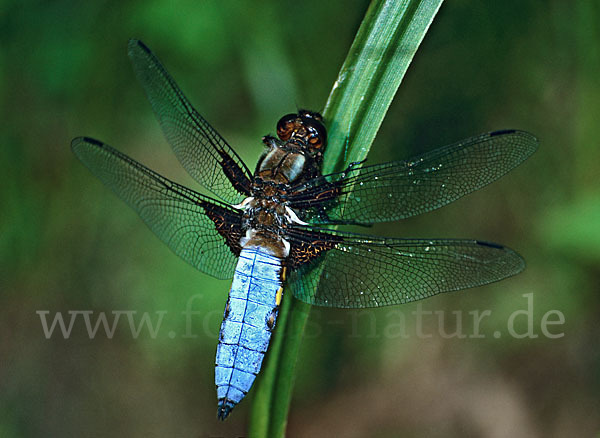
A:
(286, 126)
(317, 135)
(310, 115)
(314, 138)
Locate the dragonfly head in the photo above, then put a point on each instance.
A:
(305, 128)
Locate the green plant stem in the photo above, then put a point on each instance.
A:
(383, 48)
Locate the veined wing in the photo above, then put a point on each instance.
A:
(397, 190)
(202, 231)
(355, 271)
(201, 150)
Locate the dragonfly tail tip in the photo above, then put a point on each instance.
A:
(224, 408)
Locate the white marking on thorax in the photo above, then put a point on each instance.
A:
(242, 205)
(292, 218)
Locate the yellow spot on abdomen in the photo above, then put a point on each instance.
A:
(278, 296)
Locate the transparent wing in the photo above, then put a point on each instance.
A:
(201, 150)
(198, 229)
(397, 190)
(362, 271)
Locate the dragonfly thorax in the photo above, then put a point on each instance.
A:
(284, 164)
(265, 214)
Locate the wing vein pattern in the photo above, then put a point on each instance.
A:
(192, 225)
(364, 271)
(199, 147)
(401, 189)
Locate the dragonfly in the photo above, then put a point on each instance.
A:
(269, 228)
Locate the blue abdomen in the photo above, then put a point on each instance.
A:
(246, 329)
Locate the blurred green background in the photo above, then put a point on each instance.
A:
(68, 244)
